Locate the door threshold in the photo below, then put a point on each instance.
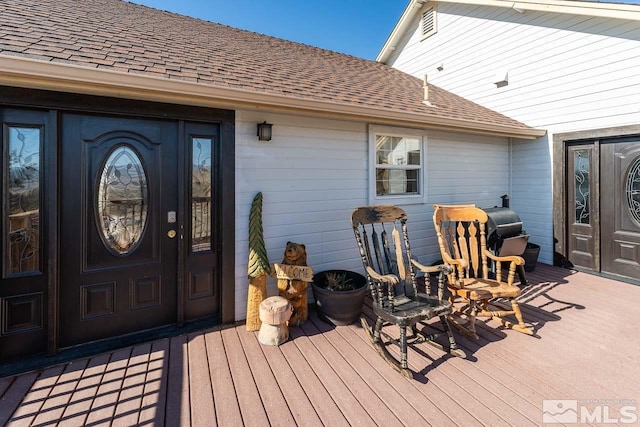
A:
(611, 276)
(93, 348)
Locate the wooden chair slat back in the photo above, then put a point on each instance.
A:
(381, 234)
(461, 232)
(458, 213)
(377, 214)
(474, 245)
(462, 241)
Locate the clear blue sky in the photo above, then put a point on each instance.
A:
(355, 27)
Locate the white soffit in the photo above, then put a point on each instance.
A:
(629, 12)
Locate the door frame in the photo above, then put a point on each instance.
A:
(561, 142)
(55, 103)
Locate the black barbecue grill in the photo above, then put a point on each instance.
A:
(505, 235)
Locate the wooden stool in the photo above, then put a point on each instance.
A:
(274, 314)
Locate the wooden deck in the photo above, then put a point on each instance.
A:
(588, 350)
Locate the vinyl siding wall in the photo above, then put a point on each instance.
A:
(314, 172)
(566, 73)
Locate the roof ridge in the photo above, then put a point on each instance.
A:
(206, 21)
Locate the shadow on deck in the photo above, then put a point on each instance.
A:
(588, 350)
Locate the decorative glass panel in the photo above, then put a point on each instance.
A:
(201, 194)
(123, 200)
(581, 183)
(22, 189)
(633, 190)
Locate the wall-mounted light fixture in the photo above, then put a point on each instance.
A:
(264, 131)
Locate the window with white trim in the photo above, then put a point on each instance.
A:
(396, 165)
(428, 22)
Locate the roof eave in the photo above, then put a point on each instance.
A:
(35, 74)
(574, 7)
(398, 31)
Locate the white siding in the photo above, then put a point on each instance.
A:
(311, 175)
(566, 73)
(314, 172)
(531, 192)
(463, 169)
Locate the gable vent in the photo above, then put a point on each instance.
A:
(428, 22)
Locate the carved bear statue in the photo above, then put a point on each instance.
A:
(295, 290)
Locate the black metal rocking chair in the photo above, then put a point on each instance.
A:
(391, 276)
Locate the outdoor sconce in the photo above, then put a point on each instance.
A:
(264, 131)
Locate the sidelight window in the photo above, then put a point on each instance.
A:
(21, 199)
(581, 165)
(201, 192)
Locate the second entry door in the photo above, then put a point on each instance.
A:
(118, 236)
(620, 207)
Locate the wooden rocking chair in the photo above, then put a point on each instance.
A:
(462, 240)
(391, 275)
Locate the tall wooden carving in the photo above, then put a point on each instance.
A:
(292, 283)
(258, 267)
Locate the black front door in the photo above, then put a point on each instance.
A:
(118, 234)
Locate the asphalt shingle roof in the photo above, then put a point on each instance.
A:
(128, 38)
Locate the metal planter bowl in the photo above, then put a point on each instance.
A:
(339, 308)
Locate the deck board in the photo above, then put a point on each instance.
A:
(200, 392)
(379, 384)
(127, 412)
(271, 394)
(106, 399)
(357, 386)
(458, 390)
(53, 408)
(15, 397)
(4, 385)
(224, 395)
(33, 402)
(294, 394)
(80, 402)
(155, 386)
(333, 383)
(430, 411)
(177, 409)
(587, 348)
(326, 409)
(250, 402)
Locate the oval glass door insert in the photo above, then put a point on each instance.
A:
(123, 201)
(633, 191)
